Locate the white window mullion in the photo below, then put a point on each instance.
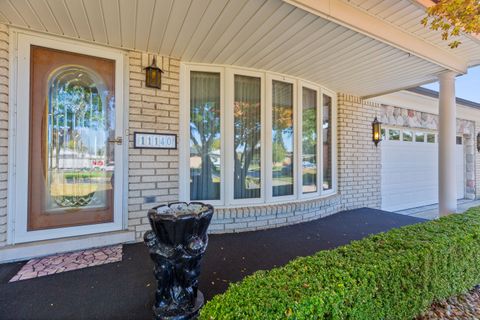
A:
(299, 141)
(334, 143)
(268, 139)
(228, 116)
(320, 142)
(222, 136)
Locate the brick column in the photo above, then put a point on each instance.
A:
(152, 174)
(359, 160)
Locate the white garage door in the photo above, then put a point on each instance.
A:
(410, 169)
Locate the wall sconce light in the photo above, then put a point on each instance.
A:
(478, 142)
(376, 131)
(153, 75)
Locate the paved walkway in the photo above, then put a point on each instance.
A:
(125, 290)
(431, 212)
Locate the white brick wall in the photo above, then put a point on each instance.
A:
(152, 174)
(4, 38)
(359, 161)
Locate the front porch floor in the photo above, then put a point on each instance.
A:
(125, 290)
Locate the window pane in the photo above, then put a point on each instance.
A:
(459, 140)
(282, 139)
(247, 137)
(309, 140)
(431, 137)
(407, 136)
(419, 137)
(204, 136)
(393, 134)
(81, 116)
(327, 142)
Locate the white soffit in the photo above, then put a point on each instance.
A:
(261, 34)
(407, 14)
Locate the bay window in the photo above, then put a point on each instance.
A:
(254, 137)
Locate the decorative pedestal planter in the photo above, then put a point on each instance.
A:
(176, 243)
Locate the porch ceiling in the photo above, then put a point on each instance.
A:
(262, 34)
(407, 14)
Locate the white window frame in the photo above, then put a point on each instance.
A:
(268, 145)
(333, 123)
(229, 134)
(227, 74)
(304, 84)
(184, 144)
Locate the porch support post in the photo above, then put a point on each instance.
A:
(447, 193)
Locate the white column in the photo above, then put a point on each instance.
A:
(447, 193)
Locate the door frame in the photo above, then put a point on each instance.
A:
(19, 117)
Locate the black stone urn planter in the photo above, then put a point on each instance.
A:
(176, 243)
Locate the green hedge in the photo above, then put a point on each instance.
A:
(392, 275)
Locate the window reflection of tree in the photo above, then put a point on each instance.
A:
(205, 135)
(80, 116)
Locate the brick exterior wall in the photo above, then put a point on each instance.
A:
(4, 38)
(359, 166)
(152, 174)
(259, 217)
(359, 160)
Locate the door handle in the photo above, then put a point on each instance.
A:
(117, 140)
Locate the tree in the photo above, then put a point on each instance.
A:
(453, 17)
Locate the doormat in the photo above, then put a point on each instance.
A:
(69, 261)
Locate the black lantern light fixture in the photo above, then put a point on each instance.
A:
(478, 142)
(376, 131)
(153, 75)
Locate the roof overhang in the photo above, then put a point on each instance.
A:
(329, 42)
(360, 21)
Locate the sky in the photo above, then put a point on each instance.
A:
(466, 86)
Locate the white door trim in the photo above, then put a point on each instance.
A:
(20, 42)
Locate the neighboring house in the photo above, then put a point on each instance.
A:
(272, 102)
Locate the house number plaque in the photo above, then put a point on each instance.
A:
(143, 140)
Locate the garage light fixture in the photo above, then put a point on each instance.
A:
(376, 131)
(153, 75)
(478, 142)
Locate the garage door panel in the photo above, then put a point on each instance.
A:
(410, 174)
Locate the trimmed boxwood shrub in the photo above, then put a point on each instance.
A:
(392, 275)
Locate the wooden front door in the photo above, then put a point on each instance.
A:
(71, 143)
